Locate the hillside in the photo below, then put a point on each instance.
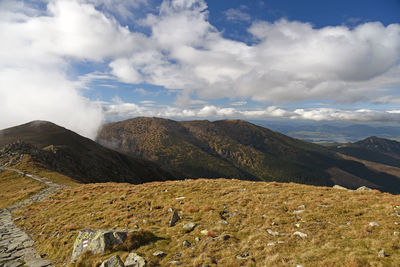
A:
(373, 149)
(238, 149)
(237, 223)
(49, 147)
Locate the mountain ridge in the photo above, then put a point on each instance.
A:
(59, 149)
(237, 149)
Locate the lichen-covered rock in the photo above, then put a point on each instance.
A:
(339, 187)
(364, 188)
(114, 261)
(188, 227)
(174, 219)
(134, 260)
(96, 241)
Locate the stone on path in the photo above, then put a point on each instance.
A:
(16, 246)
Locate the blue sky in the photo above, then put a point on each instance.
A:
(80, 63)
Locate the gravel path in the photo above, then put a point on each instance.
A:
(16, 247)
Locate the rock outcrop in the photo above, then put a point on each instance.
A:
(134, 260)
(114, 261)
(97, 241)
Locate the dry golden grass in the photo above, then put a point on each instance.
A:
(16, 188)
(336, 222)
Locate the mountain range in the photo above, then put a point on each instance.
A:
(374, 149)
(153, 149)
(330, 133)
(238, 149)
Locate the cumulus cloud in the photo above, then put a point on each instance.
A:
(36, 51)
(119, 109)
(290, 61)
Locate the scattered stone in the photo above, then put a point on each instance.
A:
(302, 207)
(204, 232)
(381, 254)
(298, 265)
(175, 262)
(300, 234)
(396, 233)
(274, 243)
(339, 187)
(264, 216)
(197, 239)
(297, 225)
(226, 237)
(242, 256)
(273, 224)
(174, 219)
(114, 261)
(373, 224)
(178, 198)
(134, 260)
(224, 214)
(298, 211)
(273, 233)
(364, 188)
(188, 227)
(396, 214)
(160, 254)
(96, 241)
(186, 243)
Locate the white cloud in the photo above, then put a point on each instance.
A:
(119, 109)
(291, 61)
(236, 14)
(36, 52)
(288, 62)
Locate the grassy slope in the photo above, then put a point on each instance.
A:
(15, 188)
(336, 222)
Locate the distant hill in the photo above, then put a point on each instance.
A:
(66, 152)
(327, 133)
(238, 149)
(373, 149)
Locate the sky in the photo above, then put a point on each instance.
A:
(81, 63)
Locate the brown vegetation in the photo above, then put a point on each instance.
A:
(241, 217)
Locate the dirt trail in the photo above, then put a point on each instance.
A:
(16, 247)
